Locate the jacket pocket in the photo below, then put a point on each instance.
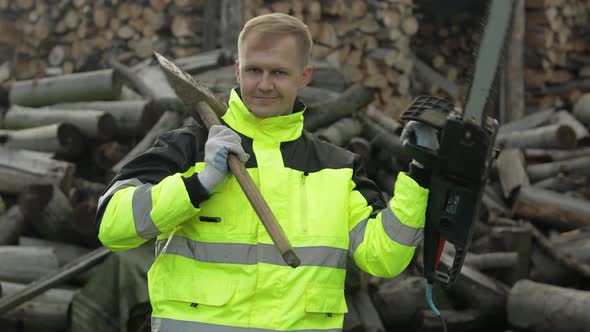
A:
(183, 288)
(325, 299)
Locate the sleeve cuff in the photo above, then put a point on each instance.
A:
(196, 192)
(420, 175)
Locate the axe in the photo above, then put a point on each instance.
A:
(203, 105)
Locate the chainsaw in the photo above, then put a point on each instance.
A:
(460, 165)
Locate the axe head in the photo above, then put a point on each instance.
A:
(189, 90)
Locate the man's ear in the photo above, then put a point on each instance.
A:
(305, 77)
(237, 71)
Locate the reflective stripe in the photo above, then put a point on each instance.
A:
(173, 325)
(142, 207)
(118, 186)
(238, 253)
(356, 236)
(399, 232)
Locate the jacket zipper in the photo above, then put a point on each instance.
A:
(303, 197)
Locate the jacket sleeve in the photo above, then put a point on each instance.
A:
(383, 237)
(153, 193)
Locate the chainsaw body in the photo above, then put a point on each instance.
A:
(459, 172)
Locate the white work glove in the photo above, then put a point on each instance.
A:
(220, 142)
(420, 134)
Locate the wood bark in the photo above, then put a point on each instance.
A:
(92, 123)
(512, 171)
(341, 131)
(530, 121)
(557, 210)
(541, 307)
(550, 136)
(565, 118)
(555, 154)
(311, 95)
(324, 113)
(133, 117)
(65, 252)
(564, 183)
(12, 225)
(61, 138)
(19, 169)
(577, 166)
(582, 109)
(431, 77)
(50, 213)
(94, 85)
(25, 264)
(383, 139)
(492, 260)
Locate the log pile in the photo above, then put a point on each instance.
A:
(61, 37)
(368, 41)
(557, 51)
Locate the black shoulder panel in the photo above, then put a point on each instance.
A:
(310, 154)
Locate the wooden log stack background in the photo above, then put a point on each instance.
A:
(61, 37)
(63, 136)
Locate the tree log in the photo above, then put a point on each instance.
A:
(25, 264)
(492, 260)
(61, 138)
(50, 212)
(541, 307)
(19, 169)
(550, 136)
(325, 113)
(384, 120)
(456, 321)
(511, 168)
(65, 252)
(133, 117)
(582, 109)
(564, 183)
(578, 166)
(565, 118)
(430, 76)
(311, 94)
(383, 139)
(555, 154)
(204, 61)
(94, 85)
(527, 122)
(557, 210)
(92, 123)
(12, 225)
(341, 131)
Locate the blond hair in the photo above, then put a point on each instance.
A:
(277, 24)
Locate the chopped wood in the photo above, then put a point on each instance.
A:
(61, 138)
(92, 123)
(582, 109)
(511, 168)
(541, 307)
(577, 166)
(549, 136)
(341, 131)
(555, 154)
(96, 85)
(12, 225)
(19, 169)
(554, 209)
(25, 264)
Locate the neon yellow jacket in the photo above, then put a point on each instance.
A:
(220, 270)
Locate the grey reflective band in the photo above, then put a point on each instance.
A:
(118, 186)
(172, 325)
(399, 232)
(238, 253)
(141, 204)
(356, 236)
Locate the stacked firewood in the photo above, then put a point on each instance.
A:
(77, 35)
(558, 67)
(368, 41)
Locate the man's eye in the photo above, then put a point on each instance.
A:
(253, 70)
(280, 73)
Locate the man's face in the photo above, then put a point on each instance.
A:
(270, 74)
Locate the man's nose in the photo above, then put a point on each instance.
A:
(265, 82)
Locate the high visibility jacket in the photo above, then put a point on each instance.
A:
(219, 270)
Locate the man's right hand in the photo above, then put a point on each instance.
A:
(220, 142)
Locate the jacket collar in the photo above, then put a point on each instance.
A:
(275, 129)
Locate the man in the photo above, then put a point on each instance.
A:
(217, 269)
